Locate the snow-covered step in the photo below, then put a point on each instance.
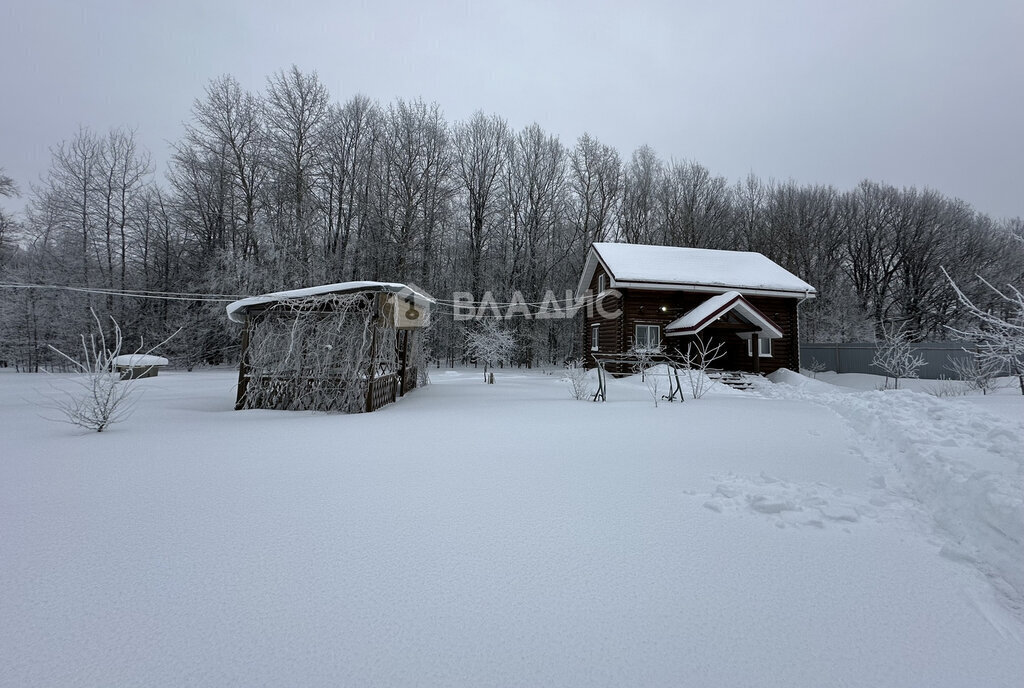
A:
(734, 379)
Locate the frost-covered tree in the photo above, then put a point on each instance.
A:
(895, 354)
(491, 344)
(976, 373)
(10, 190)
(997, 333)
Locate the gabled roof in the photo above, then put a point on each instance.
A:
(691, 269)
(714, 308)
(237, 310)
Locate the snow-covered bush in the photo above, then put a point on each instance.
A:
(698, 358)
(976, 373)
(575, 375)
(895, 355)
(100, 398)
(815, 367)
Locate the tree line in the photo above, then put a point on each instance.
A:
(287, 188)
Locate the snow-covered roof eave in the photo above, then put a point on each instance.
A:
(589, 268)
(237, 310)
(715, 288)
(140, 360)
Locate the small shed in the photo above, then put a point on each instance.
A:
(135, 366)
(350, 347)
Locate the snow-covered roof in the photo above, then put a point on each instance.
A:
(237, 310)
(139, 360)
(715, 307)
(690, 269)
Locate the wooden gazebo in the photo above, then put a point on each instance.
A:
(349, 347)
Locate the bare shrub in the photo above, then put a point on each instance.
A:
(100, 398)
(815, 367)
(977, 373)
(643, 357)
(575, 375)
(895, 355)
(698, 358)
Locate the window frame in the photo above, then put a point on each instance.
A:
(595, 337)
(646, 326)
(762, 344)
(602, 283)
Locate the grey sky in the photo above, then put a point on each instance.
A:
(923, 93)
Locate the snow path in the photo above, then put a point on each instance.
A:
(959, 464)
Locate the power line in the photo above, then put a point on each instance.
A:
(481, 309)
(141, 294)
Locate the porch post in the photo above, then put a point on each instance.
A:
(755, 349)
(243, 366)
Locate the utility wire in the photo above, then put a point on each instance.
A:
(169, 296)
(534, 308)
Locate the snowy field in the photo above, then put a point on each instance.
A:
(807, 533)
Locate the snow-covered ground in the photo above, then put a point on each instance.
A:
(808, 533)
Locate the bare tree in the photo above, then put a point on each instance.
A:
(537, 251)
(695, 207)
(123, 177)
(895, 354)
(296, 111)
(8, 189)
(350, 144)
(481, 148)
(638, 209)
(997, 334)
(412, 188)
(491, 344)
(228, 126)
(871, 224)
(595, 182)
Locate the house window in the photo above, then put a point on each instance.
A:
(595, 337)
(764, 347)
(602, 283)
(647, 337)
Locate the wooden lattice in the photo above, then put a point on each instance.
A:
(329, 352)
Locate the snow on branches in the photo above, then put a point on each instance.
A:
(895, 354)
(998, 336)
(490, 344)
(103, 397)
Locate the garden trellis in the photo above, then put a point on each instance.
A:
(348, 347)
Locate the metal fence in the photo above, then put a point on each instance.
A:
(855, 357)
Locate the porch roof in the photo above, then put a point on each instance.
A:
(708, 312)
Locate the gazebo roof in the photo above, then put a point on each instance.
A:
(238, 309)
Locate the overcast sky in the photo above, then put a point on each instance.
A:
(923, 93)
